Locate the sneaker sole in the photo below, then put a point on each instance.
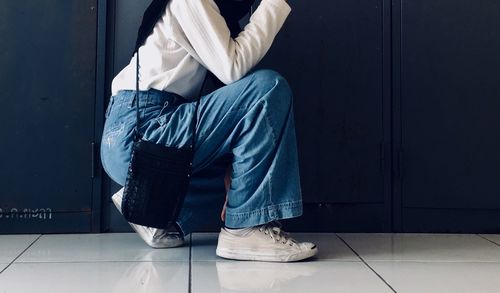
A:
(239, 255)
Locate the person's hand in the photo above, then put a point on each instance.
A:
(223, 213)
(227, 184)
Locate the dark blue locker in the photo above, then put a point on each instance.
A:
(48, 79)
(448, 134)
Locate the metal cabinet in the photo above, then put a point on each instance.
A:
(447, 97)
(335, 58)
(47, 63)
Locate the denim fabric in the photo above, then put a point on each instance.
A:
(248, 124)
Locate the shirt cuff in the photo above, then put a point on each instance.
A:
(280, 4)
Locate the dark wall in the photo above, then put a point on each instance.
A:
(396, 108)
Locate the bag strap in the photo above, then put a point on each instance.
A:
(194, 120)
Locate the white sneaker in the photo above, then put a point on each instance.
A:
(263, 243)
(156, 238)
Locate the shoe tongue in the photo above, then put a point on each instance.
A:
(282, 234)
(275, 224)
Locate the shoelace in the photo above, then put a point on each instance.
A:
(274, 231)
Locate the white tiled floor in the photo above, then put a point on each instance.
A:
(346, 263)
(423, 247)
(494, 238)
(13, 245)
(443, 277)
(302, 277)
(98, 247)
(87, 277)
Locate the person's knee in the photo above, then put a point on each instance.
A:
(274, 86)
(266, 74)
(269, 77)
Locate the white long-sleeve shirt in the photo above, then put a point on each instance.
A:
(192, 37)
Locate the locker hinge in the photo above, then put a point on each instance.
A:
(382, 157)
(400, 164)
(92, 159)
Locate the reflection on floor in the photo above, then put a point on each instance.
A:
(346, 263)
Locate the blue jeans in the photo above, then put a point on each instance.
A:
(248, 124)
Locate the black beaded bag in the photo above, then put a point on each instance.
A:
(158, 176)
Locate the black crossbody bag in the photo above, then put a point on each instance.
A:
(158, 176)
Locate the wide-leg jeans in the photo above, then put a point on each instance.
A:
(248, 125)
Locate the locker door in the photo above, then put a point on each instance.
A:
(332, 53)
(450, 105)
(47, 99)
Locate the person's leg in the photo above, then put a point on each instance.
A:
(252, 119)
(115, 154)
(227, 186)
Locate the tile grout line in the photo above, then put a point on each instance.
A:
(190, 262)
(366, 264)
(22, 252)
(481, 236)
(99, 261)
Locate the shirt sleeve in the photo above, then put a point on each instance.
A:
(227, 58)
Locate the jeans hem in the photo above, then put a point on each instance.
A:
(264, 215)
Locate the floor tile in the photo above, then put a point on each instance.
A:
(440, 277)
(318, 277)
(12, 245)
(330, 247)
(99, 247)
(105, 277)
(492, 237)
(3, 266)
(423, 247)
(203, 246)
